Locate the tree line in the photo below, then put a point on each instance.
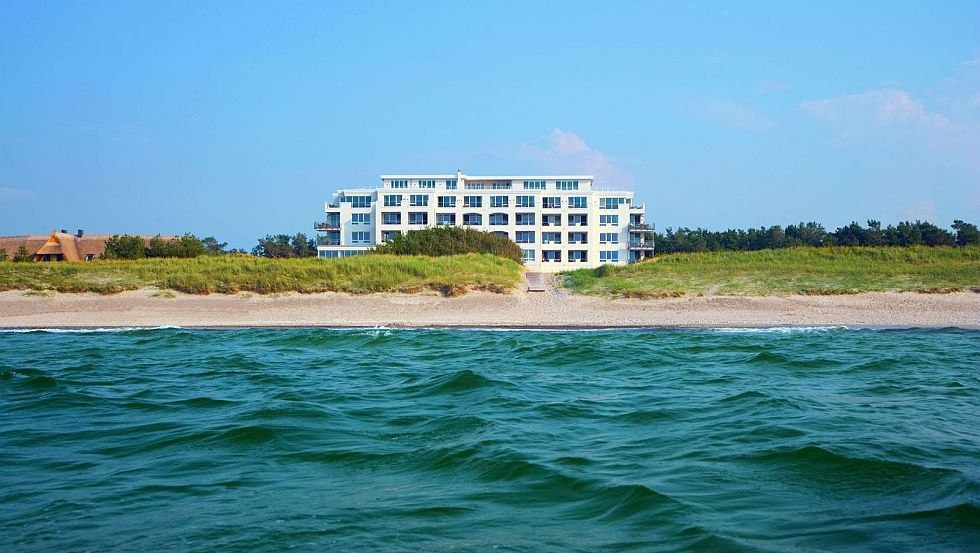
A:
(907, 233)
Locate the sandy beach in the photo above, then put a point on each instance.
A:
(553, 308)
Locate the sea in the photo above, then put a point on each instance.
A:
(777, 440)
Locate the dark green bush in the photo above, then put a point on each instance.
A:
(438, 241)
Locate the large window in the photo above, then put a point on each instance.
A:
(578, 220)
(501, 233)
(551, 203)
(445, 218)
(393, 200)
(500, 186)
(450, 184)
(580, 256)
(578, 238)
(578, 202)
(498, 218)
(446, 201)
(527, 255)
(418, 200)
(399, 183)
(611, 203)
(472, 201)
(418, 218)
(551, 220)
(472, 219)
(524, 237)
(391, 218)
(524, 218)
(608, 256)
(498, 201)
(566, 185)
(427, 183)
(389, 234)
(550, 256)
(524, 201)
(609, 238)
(551, 238)
(534, 185)
(360, 238)
(609, 220)
(360, 218)
(357, 201)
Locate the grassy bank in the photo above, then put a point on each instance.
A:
(451, 275)
(787, 271)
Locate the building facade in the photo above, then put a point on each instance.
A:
(559, 221)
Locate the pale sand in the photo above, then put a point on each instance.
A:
(553, 308)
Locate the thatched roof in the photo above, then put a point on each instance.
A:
(68, 245)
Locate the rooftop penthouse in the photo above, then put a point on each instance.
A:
(560, 221)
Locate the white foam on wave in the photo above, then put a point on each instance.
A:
(778, 329)
(85, 330)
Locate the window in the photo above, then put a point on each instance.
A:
(578, 220)
(418, 200)
(551, 238)
(527, 255)
(524, 201)
(360, 218)
(389, 234)
(445, 218)
(500, 186)
(446, 201)
(551, 220)
(578, 202)
(578, 238)
(609, 238)
(524, 218)
(475, 186)
(399, 183)
(524, 237)
(501, 234)
(472, 219)
(566, 185)
(534, 185)
(611, 203)
(427, 183)
(391, 218)
(551, 203)
(498, 218)
(360, 238)
(607, 220)
(450, 184)
(498, 201)
(357, 201)
(579, 256)
(550, 255)
(608, 256)
(393, 200)
(472, 201)
(418, 218)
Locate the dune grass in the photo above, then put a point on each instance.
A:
(450, 275)
(787, 271)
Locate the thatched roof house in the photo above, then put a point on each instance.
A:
(60, 246)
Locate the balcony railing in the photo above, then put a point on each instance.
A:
(324, 241)
(641, 245)
(640, 226)
(326, 225)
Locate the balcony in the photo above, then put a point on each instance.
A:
(638, 207)
(327, 241)
(641, 227)
(326, 225)
(641, 245)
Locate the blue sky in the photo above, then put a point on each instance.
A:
(239, 119)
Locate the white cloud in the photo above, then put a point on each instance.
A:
(11, 193)
(732, 114)
(884, 106)
(566, 152)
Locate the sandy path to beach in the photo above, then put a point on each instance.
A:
(553, 308)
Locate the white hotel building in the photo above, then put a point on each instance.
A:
(560, 222)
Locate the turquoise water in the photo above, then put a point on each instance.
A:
(436, 440)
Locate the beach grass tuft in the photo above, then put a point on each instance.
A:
(450, 275)
(808, 271)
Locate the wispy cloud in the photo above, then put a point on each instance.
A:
(883, 106)
(565, 151)
(11, 193)
(731, 114)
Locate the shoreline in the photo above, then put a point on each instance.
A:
(551, 310)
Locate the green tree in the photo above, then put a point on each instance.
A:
(301, 246)
(966, 233)
(124, 247)
(212, 246)
(3, 254)
(274, 246)
(23, 254)
(189, 245)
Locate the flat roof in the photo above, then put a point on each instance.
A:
(494, 177)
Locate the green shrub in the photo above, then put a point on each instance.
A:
(438, 241)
